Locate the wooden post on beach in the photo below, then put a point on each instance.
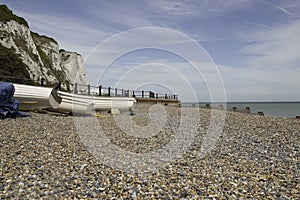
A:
(234, 108)
(261, 113)
(298, 117)
(100, 90)
(248, 110)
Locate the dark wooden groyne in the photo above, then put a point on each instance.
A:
(246, 110)
(220, 107)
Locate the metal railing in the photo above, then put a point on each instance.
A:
(92, 90)
(116, 92)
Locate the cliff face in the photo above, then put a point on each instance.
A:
(40, 54)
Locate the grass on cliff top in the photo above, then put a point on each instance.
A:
(6, 15)
(42, 38)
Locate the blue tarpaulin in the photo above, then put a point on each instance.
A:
(9, 107)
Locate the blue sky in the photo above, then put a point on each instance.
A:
(254, 44)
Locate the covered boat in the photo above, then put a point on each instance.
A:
(9, 106)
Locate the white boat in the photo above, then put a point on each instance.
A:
(36, 98)
(86, 104)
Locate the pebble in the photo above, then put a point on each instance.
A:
(256, 157)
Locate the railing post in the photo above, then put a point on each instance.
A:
(122, 92)
(100, 90)
(166, 96)
(133, 95)
(108, 91)
(89, 89)
(75, 88)
(142, 93)
(151, 94)
(116, 92)
(156, 95)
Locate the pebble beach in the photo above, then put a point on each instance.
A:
(255, 157)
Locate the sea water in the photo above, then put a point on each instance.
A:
(279, 109)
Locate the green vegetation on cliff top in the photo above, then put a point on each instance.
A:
(7, 15)
(42, 38)
(12, 67)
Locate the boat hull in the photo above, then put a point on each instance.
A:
(87, 104)
(35, 98)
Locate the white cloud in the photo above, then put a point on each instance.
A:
(119, 15)
(71, 35)
(196, 7)
(257, 25)
(275, 47)
(284, 10)
(253, 84)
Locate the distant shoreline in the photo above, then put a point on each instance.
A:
(286, 109)
(241, 102)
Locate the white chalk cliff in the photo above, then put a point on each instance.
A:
(42, 56)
